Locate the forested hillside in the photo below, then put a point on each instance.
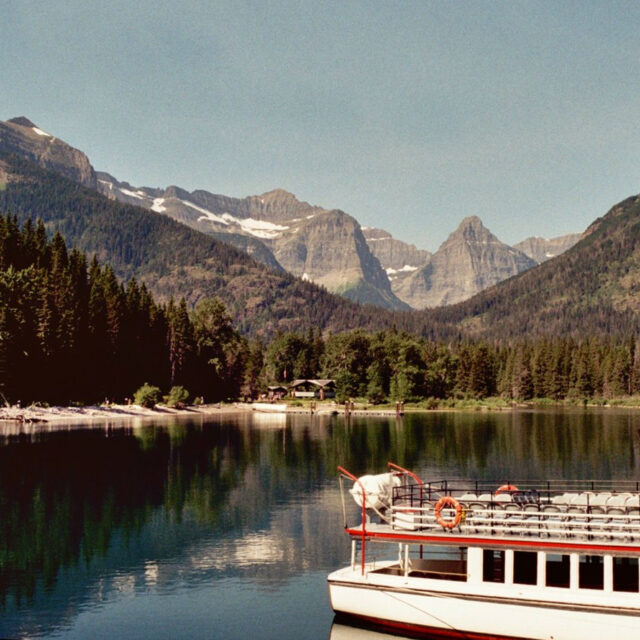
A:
(592, 288)
(70, 331)
(172, 259)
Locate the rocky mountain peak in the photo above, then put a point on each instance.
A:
(279, 206)
(471, 229)
(279, 195)
(470, 260)
(543, 249)
(22, 122)
(22, 137)
(372, 233)
(472, 222)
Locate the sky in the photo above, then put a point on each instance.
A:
(409, 116)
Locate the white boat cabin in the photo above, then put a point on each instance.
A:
(553, 560)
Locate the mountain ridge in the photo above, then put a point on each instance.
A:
(266, 226)
(542, 249)
(287, 228)
(480, 259)
(171, 259)
(20, 135)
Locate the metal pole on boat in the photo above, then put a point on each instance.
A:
(364, 512)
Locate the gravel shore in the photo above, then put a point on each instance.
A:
(34, 414)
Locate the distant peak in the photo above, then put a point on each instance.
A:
(471, 222)
(471, 230)
(277, 194)
(22, 122)
(373, 233)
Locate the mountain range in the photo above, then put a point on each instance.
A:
(328, 247)
(593, 286)
(324, 246)
(171, 259)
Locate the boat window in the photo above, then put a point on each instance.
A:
(525, 567)
(440, 564)
(625, 574)
(558, 570)
(493, 565)
(591, 573)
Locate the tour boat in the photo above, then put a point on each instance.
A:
(455, 559)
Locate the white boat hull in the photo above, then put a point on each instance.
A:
(475, 616)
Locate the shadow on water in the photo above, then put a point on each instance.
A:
(92, 516)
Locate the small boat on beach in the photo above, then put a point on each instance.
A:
(553, 560)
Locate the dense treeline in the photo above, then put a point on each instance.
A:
(395, 365)
(70, 331)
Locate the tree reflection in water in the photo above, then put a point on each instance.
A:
(89, 512)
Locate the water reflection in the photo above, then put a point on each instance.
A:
(182, 512)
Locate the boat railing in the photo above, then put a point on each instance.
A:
(586, 509)
(552, 491)
(616, 521)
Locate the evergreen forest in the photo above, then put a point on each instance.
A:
(72, 332)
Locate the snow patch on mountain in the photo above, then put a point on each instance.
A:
(257, 228)
(131, 194)
(40, 132)
(407, 268)
(207, 215)
(157, 205)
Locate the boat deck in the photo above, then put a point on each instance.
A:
(536, 516)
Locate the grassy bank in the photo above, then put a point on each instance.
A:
(469, 404)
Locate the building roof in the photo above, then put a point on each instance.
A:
(322, 382)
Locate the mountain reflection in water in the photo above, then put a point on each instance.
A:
(227, 528)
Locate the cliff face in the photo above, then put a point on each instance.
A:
(392, 253)
(326, 247)
(543, 249)
(22, 137)
(330, 249)
(470, 260)
(399, 259)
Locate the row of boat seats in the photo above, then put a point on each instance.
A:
(598, 499)
(586, 498)
(520, 497)
(604, 502)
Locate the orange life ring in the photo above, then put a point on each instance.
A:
(506, 487)
(451, 502)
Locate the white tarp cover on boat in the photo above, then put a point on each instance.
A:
(377, 488)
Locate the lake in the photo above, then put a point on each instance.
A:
(226, 528)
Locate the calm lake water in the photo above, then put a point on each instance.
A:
(227, 528)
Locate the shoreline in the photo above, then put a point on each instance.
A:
(13, 415)
(45, 415)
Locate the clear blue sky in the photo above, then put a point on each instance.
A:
(407, 115)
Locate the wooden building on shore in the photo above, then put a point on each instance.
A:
(313, 388)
